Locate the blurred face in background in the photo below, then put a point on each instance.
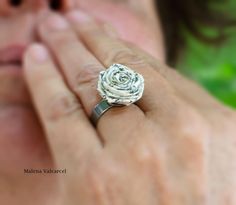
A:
(22, 143)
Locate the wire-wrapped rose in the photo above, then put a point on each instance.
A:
(119, 85)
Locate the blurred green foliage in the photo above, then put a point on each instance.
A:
(214, 67)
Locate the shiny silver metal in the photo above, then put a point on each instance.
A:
(99, 110)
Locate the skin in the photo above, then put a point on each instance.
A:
(26, 140)
(187, 154)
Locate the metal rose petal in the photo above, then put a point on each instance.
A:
(119, 85)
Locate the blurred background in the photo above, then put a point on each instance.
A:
(214, 67)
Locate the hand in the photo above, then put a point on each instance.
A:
(175, 146)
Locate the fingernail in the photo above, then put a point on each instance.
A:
(79, 16)
(56, 22)
(38, 52)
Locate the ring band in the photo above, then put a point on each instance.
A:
(118, 86)
(99, 110)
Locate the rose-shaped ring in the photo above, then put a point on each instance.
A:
(118, 86)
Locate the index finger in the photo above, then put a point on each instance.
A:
(71, 136)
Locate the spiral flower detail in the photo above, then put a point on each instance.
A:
(119, 85)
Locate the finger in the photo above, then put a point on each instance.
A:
(81, 69)
(68, 130)
(185, 88)
(111, 50)
(79, 66)
(159, 101)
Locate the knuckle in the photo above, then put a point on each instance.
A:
(144, 155)
(198, 126)
(61, 105)
(193, 131)
(123, 55)
(87, 75)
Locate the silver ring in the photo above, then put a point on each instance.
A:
(118, 86)
(99, 110)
